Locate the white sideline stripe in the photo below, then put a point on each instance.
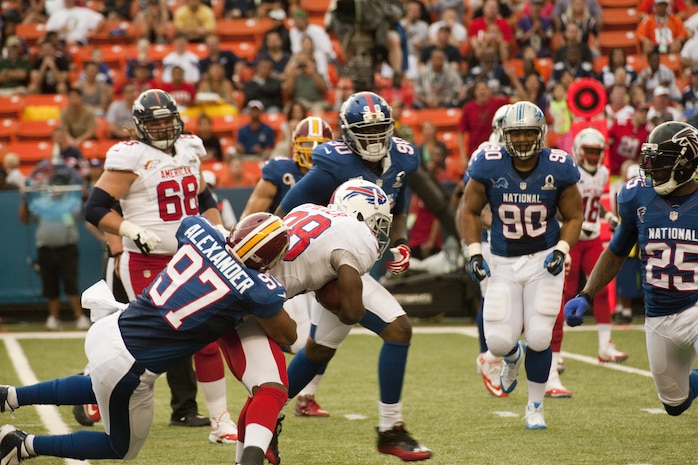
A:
(49, 414)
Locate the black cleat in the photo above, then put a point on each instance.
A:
(272, 454)
(399, 443)
(12, 448)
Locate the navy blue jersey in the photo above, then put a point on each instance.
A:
(284, 173)
(667, 231)
(202, 293)
(335, 163)
(523, 208)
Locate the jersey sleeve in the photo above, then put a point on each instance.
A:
(626, 234)
(124, 156)
(317, 186)
(271, 171)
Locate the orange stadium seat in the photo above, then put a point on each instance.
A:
(31, 153)
(315, 8)
(36, 130)
(31, 33)
(114, 32)
(11, 106)
(612, 39)
(637, 61)
(545, 67)
(8, 130)
(241, 30)
(445, 119)
(620, 19)
(226, 126)
(618, 4)
(245, 50)
(671, 61)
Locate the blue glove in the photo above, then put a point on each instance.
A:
(478, 268)
(574, 309)
(555, 262)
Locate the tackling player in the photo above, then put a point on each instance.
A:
(658, 211)
(525, 185)
(205, 292)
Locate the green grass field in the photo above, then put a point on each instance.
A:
(614, 416)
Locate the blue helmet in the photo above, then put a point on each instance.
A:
(367, 125)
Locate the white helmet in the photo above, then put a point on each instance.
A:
(366, 202)
(524, 116)
(497, 137)
(588, 148)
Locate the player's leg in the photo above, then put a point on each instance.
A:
(210, 374)
(672, 343)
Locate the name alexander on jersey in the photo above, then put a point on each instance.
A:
(221, 259)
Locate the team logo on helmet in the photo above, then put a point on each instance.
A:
(687, 137)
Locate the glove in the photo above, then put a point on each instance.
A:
(612, 219)
(555, 261)
(401, 259)
(574, 309)
(479, 269)
(144, 239)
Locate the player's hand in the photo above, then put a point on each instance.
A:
(401, 259)
(479, 269)
(574, 309)
(555, 262)
(145, 240)
(612, 219)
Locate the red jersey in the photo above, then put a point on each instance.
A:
(625, 144)
(476, 120)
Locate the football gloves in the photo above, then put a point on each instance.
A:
(479, 269)
(574, 309)
(145, 240)
(401, 259)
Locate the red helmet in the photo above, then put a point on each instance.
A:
(309, 132)
(259, 240)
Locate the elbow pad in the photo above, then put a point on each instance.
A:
(206, 200)
(98, 205)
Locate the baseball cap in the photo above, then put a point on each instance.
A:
(660, 90)
(13, 41)
(278, 14)
(255, 104)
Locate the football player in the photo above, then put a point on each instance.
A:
(278, 176)
(158, 182)
(588, 150)
(369, 151)
(525, 185)
(658, 211)
(205, 292)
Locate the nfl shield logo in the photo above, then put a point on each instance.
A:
(522, 186)
(673, 216)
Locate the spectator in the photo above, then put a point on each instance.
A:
(233, 9)
(533, 90)
(322, 45)
(477, 31)
(104, 74)
(154, 22)
(638, 95)
(263, 86)
(656, 74)
(183, 58)
(400, 128)
(562, 117)
(119, 115)
(449, 17)
(273, 51)
(535, 30)
(182, 91)
(437, 85)
(577, 12)
(451, 52)
(194, 20)
(663, 30)
(232, 64)
(215, 83)
(14, 68)
(78, 119)
(212, 143)
(618, 108)
(49, 74)
(56, 237)
(572, 63)
(343, 90)
(416, 31)
(235, 175)
(278, 17)
(75, 24)
(14, 178)
(256, 137)
(561, 6)
(425, 236)
(490, 69)
(142, 52)
(646, 7)
(689, 99)
(661, 111)
(689, 51)
(295, 112)
(617, 59)
(430, 143)
(117, 10)
(302, 82)
(572, 37)
(626, 139)
(476, 119)
(96, 94)
(63, 151)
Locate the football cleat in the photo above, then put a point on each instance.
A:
(12, 448)
(510, 370)
(399, 443)
(609, 353)
(620, 318)
(53, 323)
(307, 406)
(223, 431)
(4, 403)
(534, 416)
(490, 372)
(272, 454)
(554, 387)
(86, 415)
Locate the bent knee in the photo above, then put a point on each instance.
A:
(399, 330)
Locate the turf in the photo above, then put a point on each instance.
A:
(614, 416)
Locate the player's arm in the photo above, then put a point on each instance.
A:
(571, 213)
(261, 198)
(207, 203)
(473, 202)
(111, 186)
(315, 187)
(350, 287)
(280, 327)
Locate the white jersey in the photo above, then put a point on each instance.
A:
(165, 191)
(322, 239)
(591, 187)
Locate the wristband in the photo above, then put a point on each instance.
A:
(563, 247)
(475, 249)
(400, 241)
(128, 229)
(608, 216)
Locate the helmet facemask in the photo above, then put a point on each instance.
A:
(161, 137)
(371, 141)
(666, 171)
(528, 142)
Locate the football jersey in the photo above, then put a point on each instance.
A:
(166, 189)
(334, 163)
(315, 232)
(284, 173)
(667, 231)
(523, 208)
(202, 293)
(591, 186)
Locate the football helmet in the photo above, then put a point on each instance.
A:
(497, 119)
(309, 132)
(669, 156)
(527, 118)
(588, 148)
(152, 105)
(259, 240)
(367, 125)
(366, 202)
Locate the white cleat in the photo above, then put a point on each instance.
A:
(534, 416)
(609, 353)
(223, 431)
(490, 372)
(510, 370)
